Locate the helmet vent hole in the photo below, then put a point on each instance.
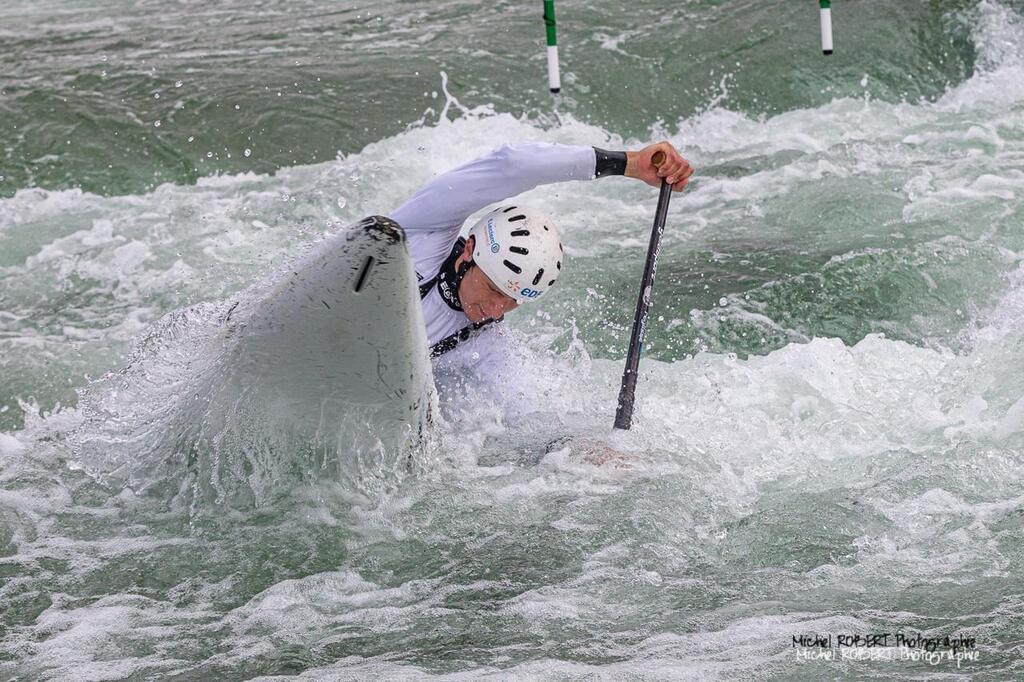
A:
(510, 208)
(558, 265)
(513, 267)
(540, 273)
(551, 283)
(516, 217)
(520, 250)
(519, 233)
(545, 228)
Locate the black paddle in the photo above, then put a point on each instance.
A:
(624, 413)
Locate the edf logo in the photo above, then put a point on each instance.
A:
(529, 293)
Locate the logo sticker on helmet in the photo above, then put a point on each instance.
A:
(495, 247)
(517, 267)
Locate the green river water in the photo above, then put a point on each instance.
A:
(829, 431)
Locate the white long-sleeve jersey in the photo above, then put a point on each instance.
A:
(433, 217)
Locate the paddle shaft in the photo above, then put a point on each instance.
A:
(624, 413)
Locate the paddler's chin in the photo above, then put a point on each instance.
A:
(475, 313)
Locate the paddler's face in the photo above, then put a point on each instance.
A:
(480, 299)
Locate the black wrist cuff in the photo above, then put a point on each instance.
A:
(609, 163)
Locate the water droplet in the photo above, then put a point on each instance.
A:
(156, 124)
(103, 57)
(237, 107)
(156, 95)
(342, 202)
(178, 84)
(723, 301)
(247, 152)
(209, 155)
(191, 137)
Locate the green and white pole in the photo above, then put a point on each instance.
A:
(826, 26)
(554, 82)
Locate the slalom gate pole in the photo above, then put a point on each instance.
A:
(624, 413)
(826, 26)
(554, 80)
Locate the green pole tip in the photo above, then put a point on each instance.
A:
(549, 21)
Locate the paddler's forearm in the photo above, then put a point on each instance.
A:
(610, 163)
(445, 202)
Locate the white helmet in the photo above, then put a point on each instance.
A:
(519, 251)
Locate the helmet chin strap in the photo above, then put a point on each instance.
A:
(449, 278)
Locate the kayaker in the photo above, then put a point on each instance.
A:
(513, 254)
